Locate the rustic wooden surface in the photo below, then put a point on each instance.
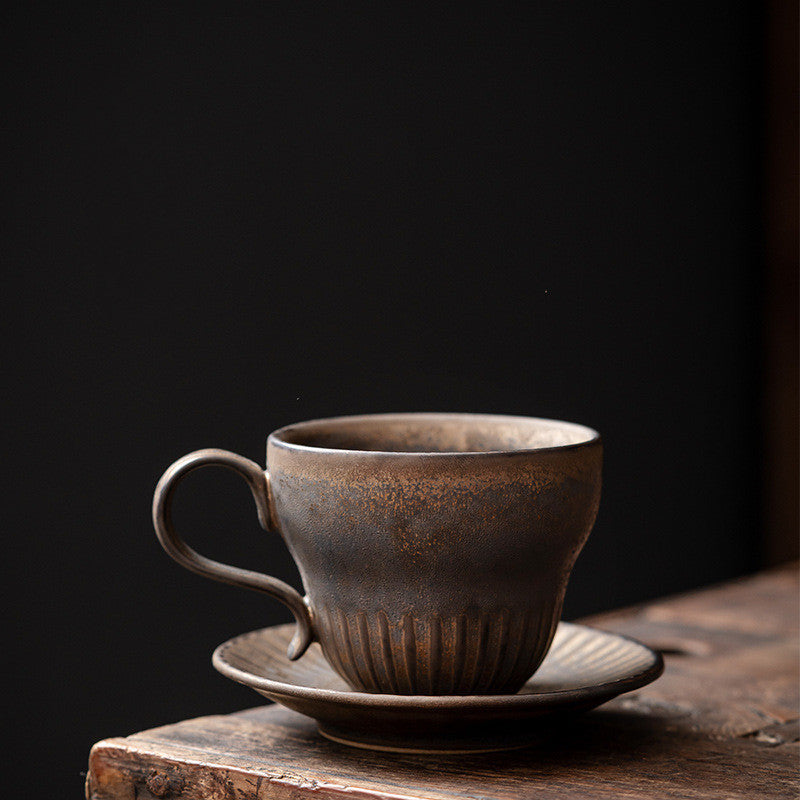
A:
(722, 722)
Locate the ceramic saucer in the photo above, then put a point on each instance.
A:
(584, 668)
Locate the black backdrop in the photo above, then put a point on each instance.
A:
(228, 220)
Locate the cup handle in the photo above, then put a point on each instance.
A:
(258, 481)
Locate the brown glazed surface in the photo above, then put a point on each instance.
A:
(435, 548)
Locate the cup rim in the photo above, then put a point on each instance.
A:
(276, 437)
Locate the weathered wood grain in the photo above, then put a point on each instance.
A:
(720, 723)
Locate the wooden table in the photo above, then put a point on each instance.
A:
(721, 722)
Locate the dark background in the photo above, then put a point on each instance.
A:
(224, 221)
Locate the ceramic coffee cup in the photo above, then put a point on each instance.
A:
(434, 549)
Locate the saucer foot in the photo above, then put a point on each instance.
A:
(445, 745)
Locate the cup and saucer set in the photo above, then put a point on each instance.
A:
(435, 551)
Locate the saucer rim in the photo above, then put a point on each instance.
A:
(354, 697)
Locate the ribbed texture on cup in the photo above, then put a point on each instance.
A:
(476, 652)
